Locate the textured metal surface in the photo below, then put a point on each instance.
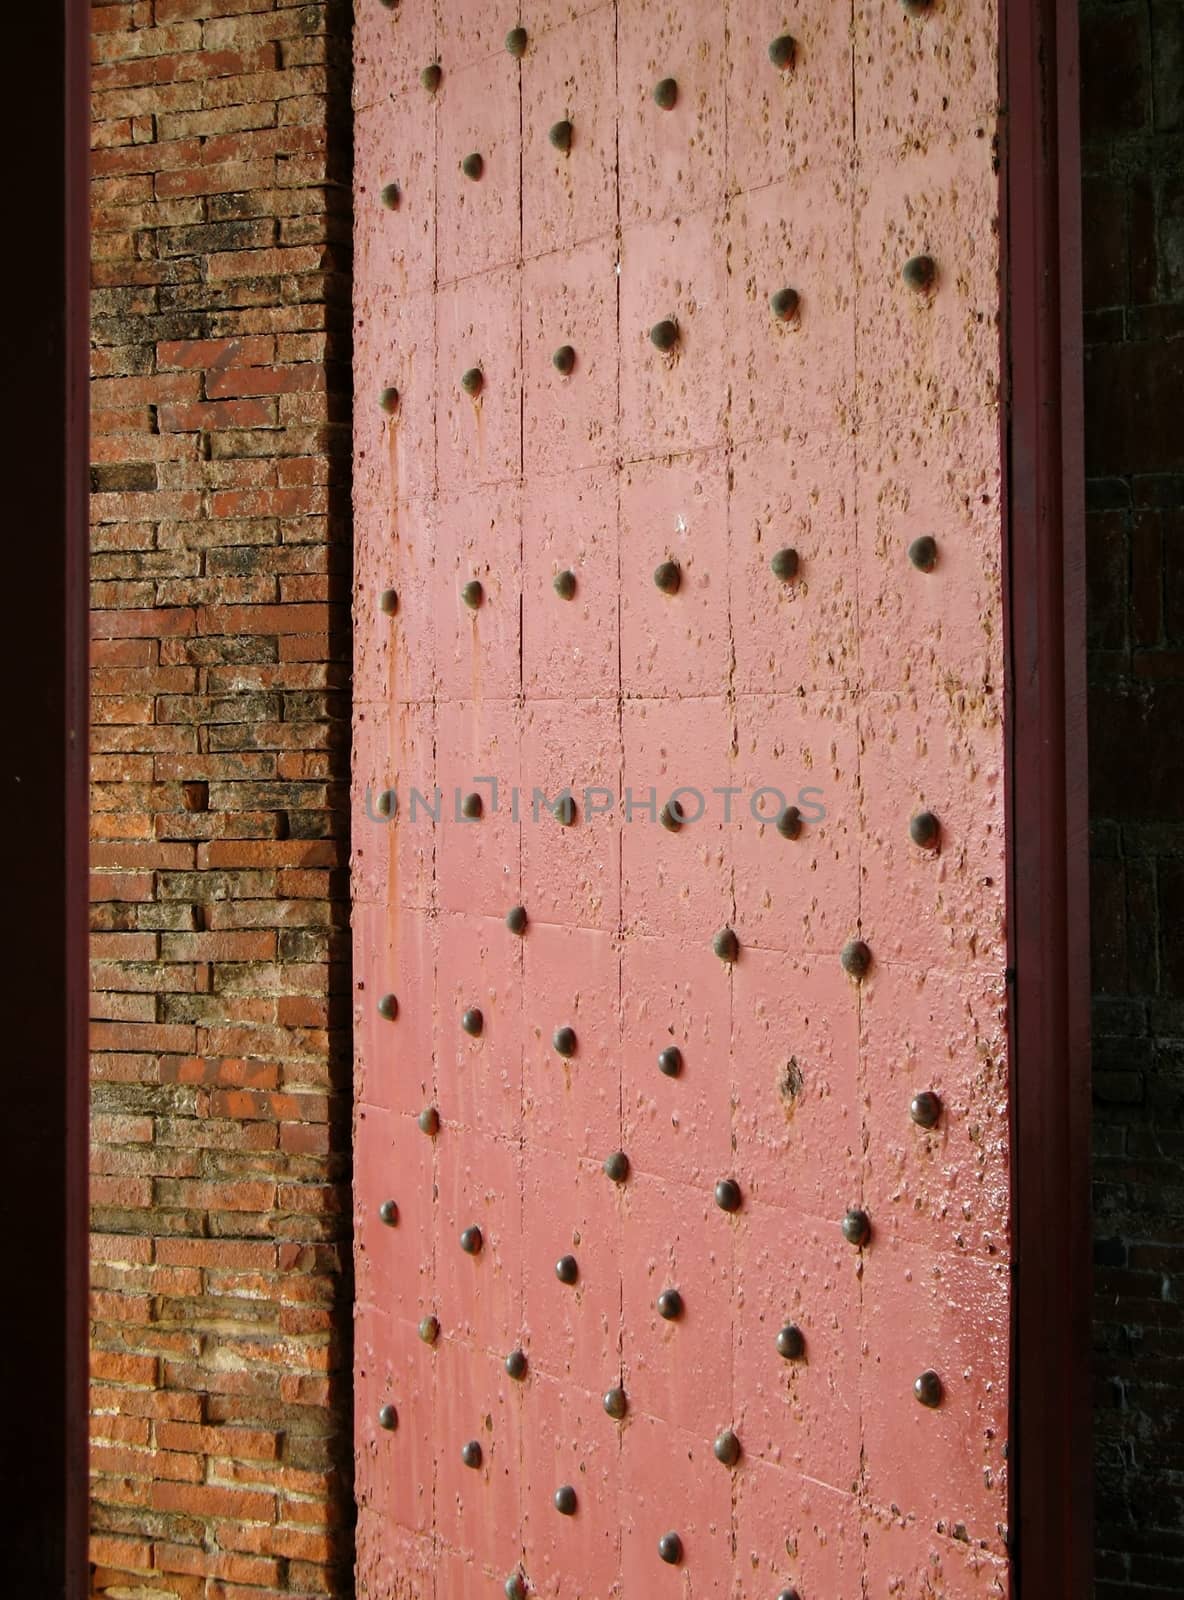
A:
(757, 1056)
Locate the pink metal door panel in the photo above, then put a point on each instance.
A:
(683, 1223)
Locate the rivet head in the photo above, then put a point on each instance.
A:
(388, 602)
(473, 1022)
(472, 806)
(671, 817)
(920, 273)
(783, 52)
(789, 1594)
(785, 565)
(925, 1109)
(516, 1365)
(515, 1587)
(560, 135)
(567, 1269)
(670, 1306)
(472, 594)
(564, 811)
(666, 94)
(925, 830)
(388, 1418)
(516, 920)
(388, 1212)
(516, 42)
(726, 945)
(857, 1227)
(471, 1453)
(564, 585)
(668, 577)
(923, 553)
(670, 1061)
(431, 75)
(784, 304)
(670, 1549)
(388, 1007)
(471, 1241)
(388, 401)
(564, 1041)
(473, 165)
(616, 1403)
(429, 1120)
(565, 1500)
(727, 1448)
(727, 1195)
(390, 196)
(386, 802)
(928, 1389)
(856, 958)
(789, 823)
(664, 334)
(564, 359)
(429, 1330)
(790, 1342)
(616, 1166)
(472, 381)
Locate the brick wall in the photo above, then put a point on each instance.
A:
(1133, 134)
(221, 1430)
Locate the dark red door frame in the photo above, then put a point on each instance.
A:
(1051, 1459)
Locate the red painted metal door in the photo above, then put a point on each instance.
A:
(682, 1227)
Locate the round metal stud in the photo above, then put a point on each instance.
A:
(388, 1418)
(783, 52)
(670, 1061)
(616, 1166)
(471, 1453)
(567, 1269)
(388, 602)
(666, 94)
(790, 1342)
(471, 1241)
(727, 1448)
(668, 577)
(473, 594)
(388, 1212)
(565, 1500)
(472, 381)
(473, 165)
(429, 1120)
(789, 1594)
(670, 1306)
(856, 958)
(388, 1007)
(516, 1365)
(670, 817)
(388, 401)
(726, 945)
(473, 1022)
(429, 1330)
(784, 304)
(727, 1195)
(472, 806)
(564, 1041)
(923, 553)
(516, 920)
(390, 196)
(789, 823)
(920, 273)
(515, 1587)
(925, 830)
(516, 42)
(664, 334)
(431, 75)
(386, 803)
(670, 1549)
(925, 1109)
(928, 1388)
(857, 1227)
(616, 1403)
(564, 811)
(785, 565)
(564, 585)
(564, 359)
(560, 135)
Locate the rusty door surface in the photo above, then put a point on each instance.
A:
(682, 1201)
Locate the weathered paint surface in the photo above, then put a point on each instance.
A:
(863, 688)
